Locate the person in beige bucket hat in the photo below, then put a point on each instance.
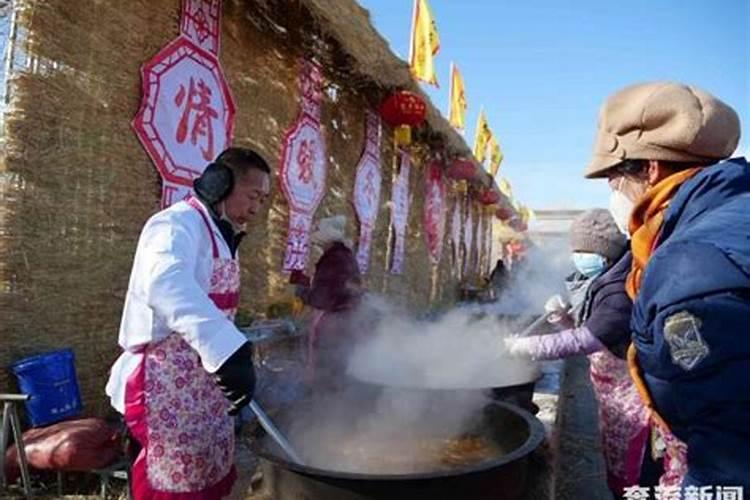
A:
(663, 121)
(661, 145)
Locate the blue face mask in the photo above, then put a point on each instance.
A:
(589, 264)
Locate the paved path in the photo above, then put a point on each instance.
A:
(582, 474)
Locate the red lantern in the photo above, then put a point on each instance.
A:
(503, 213)
(403, 109)
(462, 170)
(489, 197)
(518, 224)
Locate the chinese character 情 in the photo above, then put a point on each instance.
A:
(196, 104)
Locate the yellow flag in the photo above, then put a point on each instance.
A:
(505, 188)
(496, 156)
(481, 138)
(530, 214)
(458, 105)
(425, 44)
(526, 213)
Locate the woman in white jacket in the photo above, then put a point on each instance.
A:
(185, 367)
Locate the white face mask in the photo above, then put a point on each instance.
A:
(621, 208)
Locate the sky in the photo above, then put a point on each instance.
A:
(541, 70)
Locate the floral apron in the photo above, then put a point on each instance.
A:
(177, 412)
(624, 423)
(623, 420)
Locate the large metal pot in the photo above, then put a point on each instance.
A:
(515, 431)
(515, 386)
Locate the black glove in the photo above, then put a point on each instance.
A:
(236, 378)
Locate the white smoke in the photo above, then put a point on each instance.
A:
(429, 377)
(460, 350)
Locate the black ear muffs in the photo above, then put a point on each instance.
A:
(215, 183)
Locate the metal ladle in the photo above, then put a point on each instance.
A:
(533, 326)
(274, 432)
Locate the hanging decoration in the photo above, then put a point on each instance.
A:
(434, 211)
(302, 172)
(403, 110)
(468, 238)
(400, 213)
(367, 189)
(480, 243)
(489, 197)
(490, 244)
(504, 213)
(461, 171)
(186, 117)
(456, 236)
(517, 224)
(201, 22)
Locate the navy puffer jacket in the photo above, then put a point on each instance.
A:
(691, 323)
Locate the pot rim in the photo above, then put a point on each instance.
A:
(537, 375)
(536, 435)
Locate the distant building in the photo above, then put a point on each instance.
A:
(550, 228)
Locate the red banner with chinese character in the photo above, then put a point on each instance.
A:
(187, 111)
(480, 243)
(302, 172)
(490, 264)
(434, 211)
(400, 213)
(367, 189)
(455, 237)
(468, 238)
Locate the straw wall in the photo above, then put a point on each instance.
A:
(76, 186)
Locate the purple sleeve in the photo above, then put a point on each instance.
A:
(558, 345)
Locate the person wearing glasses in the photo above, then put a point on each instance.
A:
(664, 148)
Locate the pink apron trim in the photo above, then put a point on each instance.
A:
(194, 203)
(135, 408)
(142, 491)
(226, 301)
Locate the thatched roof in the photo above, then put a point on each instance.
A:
(77, 186)
(364, 54)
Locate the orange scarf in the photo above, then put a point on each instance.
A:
(645, 226)
(646, 221)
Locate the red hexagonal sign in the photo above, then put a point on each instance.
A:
(303, 172)
(434, 211)
(187, 112)
(367, 188)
